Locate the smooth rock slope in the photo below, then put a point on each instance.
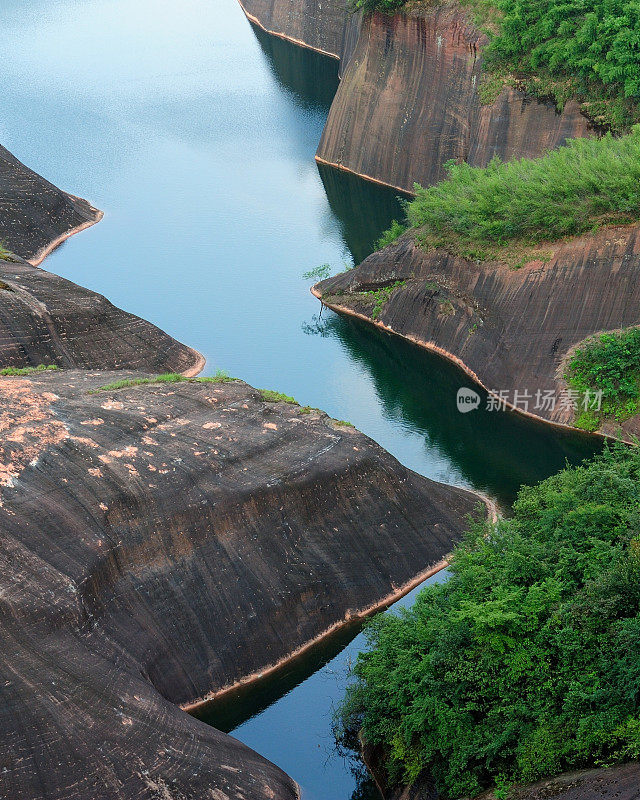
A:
(45, 319)
(36, 216)
(160, 542)
(511, 329)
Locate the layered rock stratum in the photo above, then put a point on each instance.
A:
(511, 329)
(409, 101)
(163, 541)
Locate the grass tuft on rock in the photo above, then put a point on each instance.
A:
(17, 371)
(270, 396)
(169, 377)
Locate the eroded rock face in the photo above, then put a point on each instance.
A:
(511, 329)
(34, 214)
(408, 102)
(45, 319)
(324, 26)
(160, 542)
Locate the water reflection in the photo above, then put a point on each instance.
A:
(496, 452)
(363, 209)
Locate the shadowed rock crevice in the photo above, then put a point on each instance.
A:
(161, 542)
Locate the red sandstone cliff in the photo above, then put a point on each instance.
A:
(512, 329)
(408, 102)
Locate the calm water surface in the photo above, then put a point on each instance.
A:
(196, 135)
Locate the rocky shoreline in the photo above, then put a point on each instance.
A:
(511, 330)
(163, 539)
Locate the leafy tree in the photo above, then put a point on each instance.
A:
(527, 661)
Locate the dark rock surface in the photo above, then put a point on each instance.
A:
(408, 102)
(45, 319)
(35, 216)
(511, 329)
(160, 542)
(324, 26)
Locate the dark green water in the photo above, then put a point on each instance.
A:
(196, 135)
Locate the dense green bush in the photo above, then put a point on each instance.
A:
(477, 211)
(609, 363)
(595, 42)
(527, 661)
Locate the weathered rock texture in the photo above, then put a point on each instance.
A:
(45, 319)
(324, 26)
(35, 216)
(511, 329)
(161, 542)
(408, 102)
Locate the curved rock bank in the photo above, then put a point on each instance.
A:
(45, 319)
(36, 216)
(409, 101)
(160, 542)
(510, 329)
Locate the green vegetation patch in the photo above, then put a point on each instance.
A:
(343, 423)
(583, 49)
(610, 364)
(269, 396)
(526, 663)
(169, 377)
(17, 371)
(511, 211)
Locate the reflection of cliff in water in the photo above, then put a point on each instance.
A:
(495, 451)
(311, 77)
(362, 208)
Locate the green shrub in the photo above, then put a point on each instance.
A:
(482, 212)
(609, 363)
(392, 233)
(595, 45)
(269, 396)
(526, 662)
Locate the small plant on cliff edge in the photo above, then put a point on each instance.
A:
(504, 208)
(220, 376)
(270, 396)
(392, 233)
(609, 363)
(526, 663)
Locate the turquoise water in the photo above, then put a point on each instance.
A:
(195, 134)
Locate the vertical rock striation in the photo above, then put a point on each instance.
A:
(408, 102)
(511, 329)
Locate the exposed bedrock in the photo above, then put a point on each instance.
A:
(35, 216)
(408, 102)
(45, 319)
(327, 27)
(161, 542)
(511, 329)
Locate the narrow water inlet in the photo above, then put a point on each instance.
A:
(196, 135)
